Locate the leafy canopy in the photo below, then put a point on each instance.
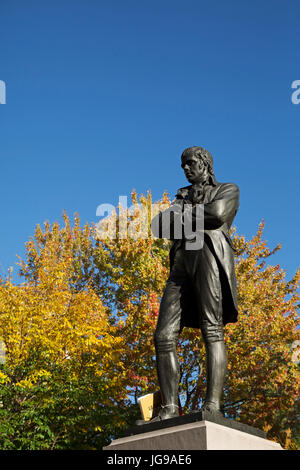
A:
(78, 333)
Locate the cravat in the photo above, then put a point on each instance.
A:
(196, 193)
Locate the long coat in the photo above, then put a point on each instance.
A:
(221, 202)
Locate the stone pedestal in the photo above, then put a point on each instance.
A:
(197, 431)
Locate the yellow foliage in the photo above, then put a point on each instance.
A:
(96, 306)
(45, 316)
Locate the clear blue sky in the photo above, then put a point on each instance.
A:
(103, 96)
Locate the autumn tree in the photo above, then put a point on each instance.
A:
(263, 380)
(79, 336)
(63, 373)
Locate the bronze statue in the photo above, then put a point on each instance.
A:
(201, 290)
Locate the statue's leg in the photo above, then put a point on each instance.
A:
(209, 294)
(168, 374)
(216, 360)
(165, 339)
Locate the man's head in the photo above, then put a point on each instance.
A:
(197, 164)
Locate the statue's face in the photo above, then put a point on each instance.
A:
(194, 168)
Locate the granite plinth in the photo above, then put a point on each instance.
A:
(197, 431)
(192, 418)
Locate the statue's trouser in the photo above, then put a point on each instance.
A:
(208, 295)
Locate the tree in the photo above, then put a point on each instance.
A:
(63, 372)
(263, 381)
(79, 333)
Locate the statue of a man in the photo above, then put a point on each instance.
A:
(201, 289)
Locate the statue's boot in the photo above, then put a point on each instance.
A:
(168, 373)
(216, 360)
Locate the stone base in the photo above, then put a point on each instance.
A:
(197, 431)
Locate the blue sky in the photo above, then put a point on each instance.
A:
(103, 96)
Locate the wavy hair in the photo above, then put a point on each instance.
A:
(206, 157)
